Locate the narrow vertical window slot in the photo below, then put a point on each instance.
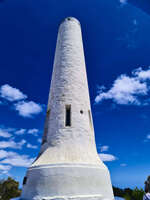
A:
(68, 115)
(24, 180)
(46, 126)
(90, 119)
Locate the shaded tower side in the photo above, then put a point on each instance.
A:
(68, 165)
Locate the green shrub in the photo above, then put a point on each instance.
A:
(9, 189)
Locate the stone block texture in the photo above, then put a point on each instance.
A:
(68, 166)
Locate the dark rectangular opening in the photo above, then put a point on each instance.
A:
(68, 115)
(24, 180)
(44, 139)
(90, 118)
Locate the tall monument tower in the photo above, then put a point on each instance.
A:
(68, 166)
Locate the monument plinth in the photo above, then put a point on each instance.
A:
(68, 166)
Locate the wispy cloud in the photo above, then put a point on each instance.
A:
(104, 148)
(5, 133)
(21, 161)
(129, 38)
(4, 169)
(15, 159)
(28, 109)
(39, 140)
(33, 131)
(148, 137)
(12, 144)
(143, 116)
(107, 157)
(4, 154)
(11, 94)
(31, 146)
(123, 164)
(128, 90)
(123, 2)
(20, 131)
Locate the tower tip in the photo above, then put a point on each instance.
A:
(73, 19)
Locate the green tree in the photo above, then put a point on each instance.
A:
(118, 192)
(129, 194)
(127, 197)
(137, 194)
(9, 189)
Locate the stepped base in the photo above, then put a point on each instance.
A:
(67, 182)
(71, 198)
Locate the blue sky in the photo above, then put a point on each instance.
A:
(117, 45)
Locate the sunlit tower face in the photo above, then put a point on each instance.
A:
(68, 165)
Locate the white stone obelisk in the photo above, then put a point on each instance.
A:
(68, 166)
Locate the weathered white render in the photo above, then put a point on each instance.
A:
(68, 166)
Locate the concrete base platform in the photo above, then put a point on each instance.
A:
(67, 182)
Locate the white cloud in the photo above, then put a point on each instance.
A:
(11, 94)
(31, 146)
(28, 109)
(128, 90)
(4, 169)
(4, 154)
(39, 140)
(12, 144)
(142, 74)
(148, 137)
(8, 132)
(104, 148)
(123, 2)
(4, 133)
(14, 159)
(123, 164)
(20, 132)
(33, 131)
(19, 160)
(107, 157)
(24, 108)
